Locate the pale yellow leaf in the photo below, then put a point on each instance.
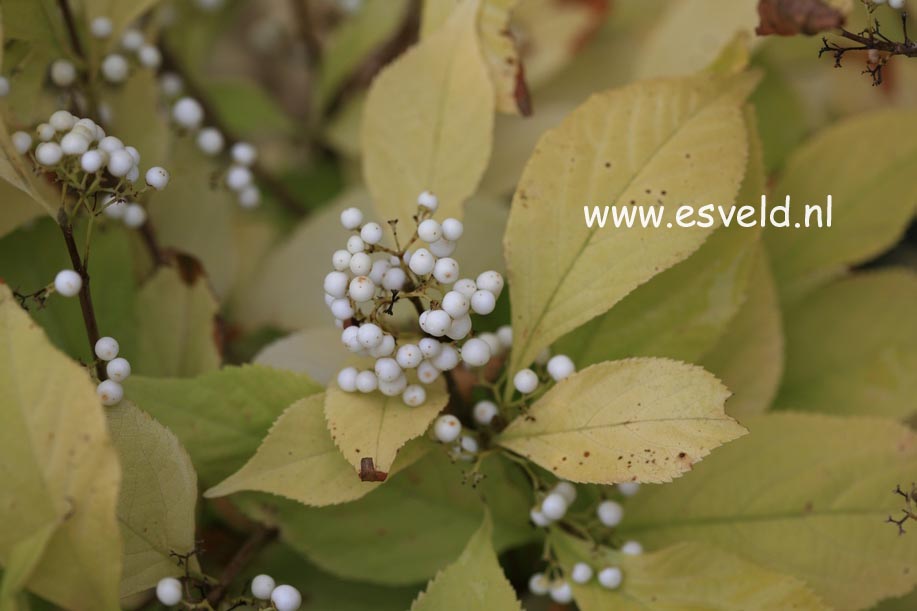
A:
(687, 576)
(806, 495)
(642, 420)
(57, 464)
(157, 498)
(872, 195)
(474, 581)
(749, 356)
(669, 142)
(298, 460)
(428, 122)
(317, 352)
(851, 347)
(375, 426)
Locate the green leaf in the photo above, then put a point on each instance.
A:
(861, 183)
(245, 108)
(642, 420)
(298, 460)
(684, 576)
(59, 466)
(140, 96)
(749, 355)
(688, 36)
(177, 318)
(428, 122)
(852, 347)
(220, 417)
(375, 426)
(17, 209)
(805, 495)
(675, 142)
(432, 500)
(113, 291)
(474, 581)
(157, 498)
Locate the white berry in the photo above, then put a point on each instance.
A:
(63, 73)
(115, 68)
(566, 490)
(491, 281)
(610, 577)
(387, 370)
(409, 356)
(437, 323)
(45, 132)
(361, 264)
(132, 39)
(244, 153)
(62, 120)
(429, 347)
(169, 591)
(68, 283)
(110, 392)
(414, 395)
(539, 584)
(485, 411)
(22, 142)
(393, 388)
(466, 287)
(4, 86)
(896, 4)
(538, 518)
(210, 141)
(149, 57)
(101, 27)
(560, 367)
(447, 428)
(238, 177)
(188, 113)
(525, 381)
(385, 348)
(427, 372)
(118, 369)
(460, 328)
(134, 216)
(429, 231)
(370, 335)
(355, 244)
(92, 161)
(336, 284)
(371, 233)
(442, 247)
(394, 279)
(628, 488)
(447, 359)
(157, 177)
(422, 262)
(476, 352)
(428, 200)
(452, 229)
(347, 378)
(120, 163)
(561, 593)
(554, 506)
(610, 513)
(632, 548)
(286, 598)
(367, 381)
(446, 270)
(341, 309)
(483, 302)
(351, 218)
(361, 289)
(171, 84)
(581, 572)
(106, 348)
(49, 154)
(249, 197)
(340, 260)
(262, 586)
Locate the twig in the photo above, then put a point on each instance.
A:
(279, 190)
(874, 43)
(258, 539)
(307, 30)
(81, 267)
(71, 28)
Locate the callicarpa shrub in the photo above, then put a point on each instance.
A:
(440, 305)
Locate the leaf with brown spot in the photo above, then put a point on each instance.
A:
(792, 17)
(659, 416)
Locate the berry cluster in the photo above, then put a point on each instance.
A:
(116, 67)
(117, 368)
(87, 160)
(368, 280)
(169, 592)
(188, 114)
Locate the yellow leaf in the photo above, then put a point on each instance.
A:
(851, 347)
(474, 581)
(156, 504)
(58, 466)
(428, 122)
(641, 420)
(298, 460)
(501, 54)
(375, 426)
(682, 577)
(805, 495)
(873, 199)
(671, 142)
(749, 356)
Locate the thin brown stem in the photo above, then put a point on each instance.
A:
(258, 539)
(72, 32)
(80, 266)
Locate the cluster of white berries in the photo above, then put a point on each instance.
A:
(368, 279)
(117, 368)
(609, 577)
(554, 505)
(895, 4)
(70, 145)
(116, 66)
(188, 114)
(284, 597)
